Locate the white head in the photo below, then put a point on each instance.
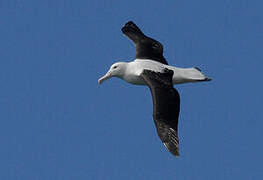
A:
(116, 70)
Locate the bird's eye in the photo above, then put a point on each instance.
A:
(114, 67)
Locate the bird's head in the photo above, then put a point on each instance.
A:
(116, 70)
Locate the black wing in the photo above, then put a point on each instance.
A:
(146, 48)
(166, 107)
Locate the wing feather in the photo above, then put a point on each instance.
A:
(146, 47)
(166, 107)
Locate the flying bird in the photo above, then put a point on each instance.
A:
(150, 68)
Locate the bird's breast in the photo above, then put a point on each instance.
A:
(134, 78)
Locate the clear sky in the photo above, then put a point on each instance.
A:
(56, 122)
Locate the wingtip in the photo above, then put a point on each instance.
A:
(177, 154)
(129, 23)
(131, 27)
(174, 150)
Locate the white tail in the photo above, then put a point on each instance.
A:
(184, 75)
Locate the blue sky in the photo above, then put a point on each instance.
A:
(58, 123)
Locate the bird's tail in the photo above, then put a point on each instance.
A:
(183, 75)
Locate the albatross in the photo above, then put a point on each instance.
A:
(150, 68)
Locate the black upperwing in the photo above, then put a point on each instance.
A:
(166, 107)
(146, 47)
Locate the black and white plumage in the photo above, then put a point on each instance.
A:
(166, 107)
(150, 68)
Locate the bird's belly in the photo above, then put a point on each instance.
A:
(134, 79)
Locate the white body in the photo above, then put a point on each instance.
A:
(181, 75)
